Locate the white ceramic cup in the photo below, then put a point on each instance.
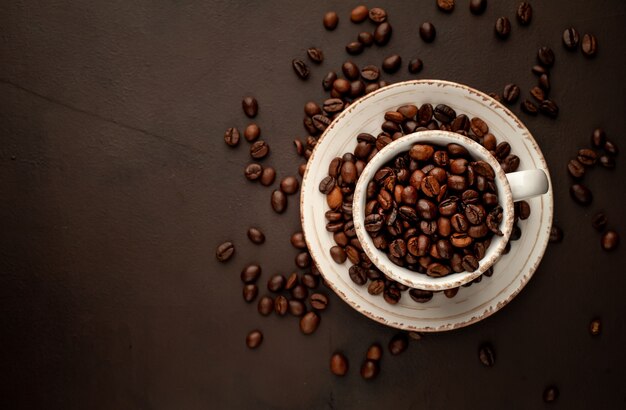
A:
(512, 187)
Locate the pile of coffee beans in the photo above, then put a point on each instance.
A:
(434, 209)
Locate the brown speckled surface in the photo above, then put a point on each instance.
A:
(117, 186)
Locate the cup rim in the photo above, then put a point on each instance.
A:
(404, 275)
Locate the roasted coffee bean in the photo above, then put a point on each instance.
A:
(556, 234)
(315, 54)
(598, 138)
(259, 149)
(522, 210)
(478, 6)
(250, 273)
(327, 185)
(374, 352)
(252, 132)
(461, 239)
(370, 73)
(607, 161)
(398, 344)
(254, 339)
(510, 163)
(338, 254)
(309, 323)
(610, 148)
(503, 27)
(529, 107)
(450, 293)
(444, 113)
(279, 201)
(469, 263)
(595, 327)
(581, 194)
(297, 240)
(575, 169)
(250, 291)
(486, 355)
(421, 152)
(354, 48)
(318, 301)
(437, 270)
(610, 240)
(376, 287)
(369, 369)
(537, 93)
(250, 106)
(421, 296)
(350, 70)
(225, 251)
(365, 38)
(303, 260)
(426, 209)
(359, 14)
(276, 283)
(256, 236)
(301, 68)
(479, 127)
(296, 307)
(483, 169)
(291, 281)
(587, 156)
(331, 19)
(415, 65)
(289, 185)
(353, 254)
(338, 364)
(589, 45)
(459, 223)
(265, 305)
(599, 221)
(549, 108)
(511, 93)
(392, 295)
(392, 63)
(382, 34)
(231, 137)
(571, 38)
(545, 56)
(428, 32)
(524, 13)
(281, 305)
(377, 15)
(307, 122)
(321, 122)
(475, 214)
(425, 114)
(358, 275)
(445, 5)
(299, 292)
(373, 223)
(456, 150)
(310, 281)
(550, 394)
(333, 105)
(544, 82)
(430, 186)
(329, 79)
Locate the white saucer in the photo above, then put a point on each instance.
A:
(511, 272)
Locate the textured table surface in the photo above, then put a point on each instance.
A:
(117, 186)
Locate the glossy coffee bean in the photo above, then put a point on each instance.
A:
(392, 63)
(503, 27)
(382, 34)
(486, 355)
(265, 305)
(318, 301)
(250, 106)
(278, 201)
(250, 273)
(545, 56)
(524, 13)
(224, 251)
(315, 54)
(428, 32)
(309, 323)
(610, 240)
(300, 68)
(377, 15)
(550, 394)
(595, 327)
(250, 292)
(338, 364)
(511, 93)
(398, 344)
(369, 369)
(581, 194)
(589, 45)
(478, 7)
(268, 176)
(330, 21)
(599, 221)
(231, 137)
(571, 38)
(556, 234)
(254, 339)
(256, 236)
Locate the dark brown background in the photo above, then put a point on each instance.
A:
(117, 186)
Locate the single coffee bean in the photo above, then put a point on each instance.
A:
(610, 240)
(595, 327)
(250, 291)
(599, 221)
(321, 122)
(369, 369)
(486, 355)
(231, 137)
(279, 201)
(398, 344)
(556, 234)
(309, 323)
(350, 70)
(437, 270)
(571, 38)
(250, 273)
(415, 65)
(328, 81)
(544, 82)
(252, 132)
(259, 149)
(450, 293)
(587, 156)
(365, 38)
(478, 7)
(392, 295)
(428, 32)
(296, 308)
(510, 163)
(250, 106)
(338, 254)
(469, 263)
(581, 194)
(276, 283)
(338, 364)
(292, 281)
(359, 14)
(374, 352)
(253, 171)
(378, 15)
(327, 185)
(315, 54)
(446, 5)
(358, 275)
(301, 68)
(318, 301)
(549, 108)
(545, 56)
(444, 113)
(310, 281)
(550, 394)
(256, 236)
(265, 305)
(522, 210)
(610, 148)
(354, 48)
(225, 251)
(297, 240)
(254, 339)
(421, 296)
(303, 260)
(503, 27)
(537, 93)
(511, 93)
(524, 13)
(382, 34)
(529, 107)
(289, 185)
(479, 127)
(268, 176)
(576, 169)
(589, 45)
(370, 73)
(299, 292)
(392, 63)
(598, 138)
(607, 161)
(331, 19)
(376, 287)
(281, 305)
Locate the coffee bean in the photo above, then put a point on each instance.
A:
(289, 185)
(303, 260)
(377, 15)
(296, 308)
(338, 364)
(250, 291)
(252, 132)
(321, 122)
(421, 152)
(503, 27)
(444, 113)
(469, 263)
(581, 194)
(544, 82)
(595, 327)
(539, 70)
(370, 73)
(382, 34)
(318, 301)
(571, 38)
(354, 48)
(537, 93)
(254, 339)
(415, 65)
(545, 56)
(250, 106)
(329, 79)
(522, 210)
(486, 355)
(253, 171)
(327, 185)
(301, 68)
(297, 240)
(524, 13)
(392, 295)
(587, 156)
(359, 14)
(299, 292)
(483, 169)
(437, 270)
(281, 305)
(225, 251)
(510, 163)
(599, 221)
(610, 240)
(398, 344)
(598, 138)
(338, 254)
(315, 54)
(365, 38)
(610, 148)
(478, 6)
(607, 161)
(250, 273)
(445, 5)
(276, 283)
(392, 63)
(511, 93)
(265, 305)
(374, 352)
(376, 287)
(550, 394)
(450, 293)
(479, 127)
(331, 19)
(421, 296)
(259, 149)
(369, 369)
(428, 32)
(358, 275)
(589, 45)
(350, 70)
(256, 236)
(310, 281)
(279, 201)
(556, 234)
(549, 108)
(529, 107)
(309, 323)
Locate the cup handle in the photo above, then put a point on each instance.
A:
(527, 184)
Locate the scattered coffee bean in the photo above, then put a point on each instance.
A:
(587, 156)
(377, 15)
(359, 14)
(549, 108)
(446, 5)
(256, 236)
(250, 273)
(301, 68)
(398, 344)
(486, 355)
(250, 291)
(375, 352)
(550, 394)
(354, 48)
(299, 292)
(428, 32)
(231, 137)
(529, 107)
(253, 171)
(303, 260)
(595, 327)
(392, 63)
(318, 301)
(252, 132)
(225, 251)
(259, 149)
(556, 234)
(610, 148)
(511, 93)
(329, 80)
(598, 138)
(338, 364)
(450, 293)
(276, 283)
(281, 305)
(382, 34)
(545, 56)
(571, 38)
(478, 7)
(610, 240)
(331, 19)
(538, 93)
(279, 201)
(581, 194)
(369, 369)
(589, 45)
(268, 176)
(503, 27)
(607, 161)
(539, 70)
(575, 169)
(309, 323)
(599, 221)
(416, 336)
(315, 54)
(544, 82)
(254, 339)
(415, 65)
(421, 296)
(338, 254)
(370, 73)
(524, 13)
(265, 305)
(365, 38)
(522, 210)
(250, 106)
(289, 185)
